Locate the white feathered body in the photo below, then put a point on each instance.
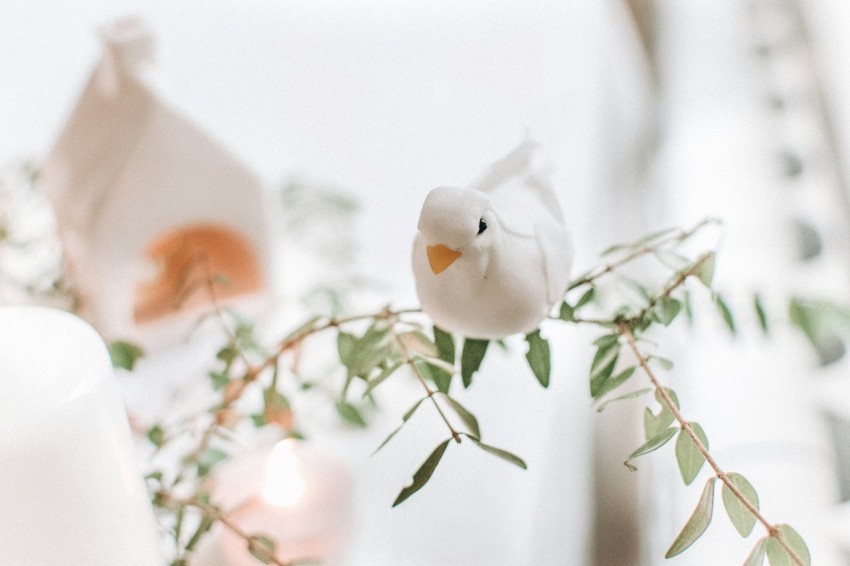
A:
(508, 277)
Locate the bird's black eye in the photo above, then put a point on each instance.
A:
(481, 226)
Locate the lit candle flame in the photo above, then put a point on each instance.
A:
(284, 483)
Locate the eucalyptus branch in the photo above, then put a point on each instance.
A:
(679, 237)
(625, 330)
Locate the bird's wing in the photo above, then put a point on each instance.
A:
(520, 190)
(557, 253)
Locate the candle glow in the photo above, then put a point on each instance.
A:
(284, 484)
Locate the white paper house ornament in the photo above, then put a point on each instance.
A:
(154, 214)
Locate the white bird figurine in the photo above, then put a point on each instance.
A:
(493, 259)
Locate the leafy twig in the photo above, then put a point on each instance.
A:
(678, 237)
(625, 330)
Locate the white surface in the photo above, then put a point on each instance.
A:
(389, 100)
(70, 490)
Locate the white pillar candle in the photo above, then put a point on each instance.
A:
(70, 490)
(295, 495)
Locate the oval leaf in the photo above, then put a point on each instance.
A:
(688, 456)
(741, 517)
(261, 547)
(614, 382)
(667, 310)
(697, 523)
(706, 271)
(653, 424)
(350, 414)
(653, 443)
(471, 358)
(539, 357)
(424, 473)
(602, 365)
(124, 354)
(446, 352)
(778, 556)
(756, 557)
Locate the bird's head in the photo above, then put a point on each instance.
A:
(454, 222)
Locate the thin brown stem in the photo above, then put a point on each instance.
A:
(626, 331)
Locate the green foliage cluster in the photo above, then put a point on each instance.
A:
(375, 348)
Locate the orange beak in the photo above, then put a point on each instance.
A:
(440, 257)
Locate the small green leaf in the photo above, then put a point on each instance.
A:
(227, 354)
(424, 473)
(667, 309)
(697, 523)
(350, 414)
(706, 271)
(539, 357)
(471, 358)
(208, 460)
(606, 340)
(653, 423)
(261, 547)
(446, 352)
(345, 344)
(756, 557)
(650, 445)
(219, 379)
(726, 313)
(468, 418)
(778, 556)
(630, 395)
(567, 313)
(761, 314)
(204, 527)
(503, 454)
(688, 456)
(616, 381)
(124, 354)
(602, 365)
(156, 435)
(741, 518)
(586, 298)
